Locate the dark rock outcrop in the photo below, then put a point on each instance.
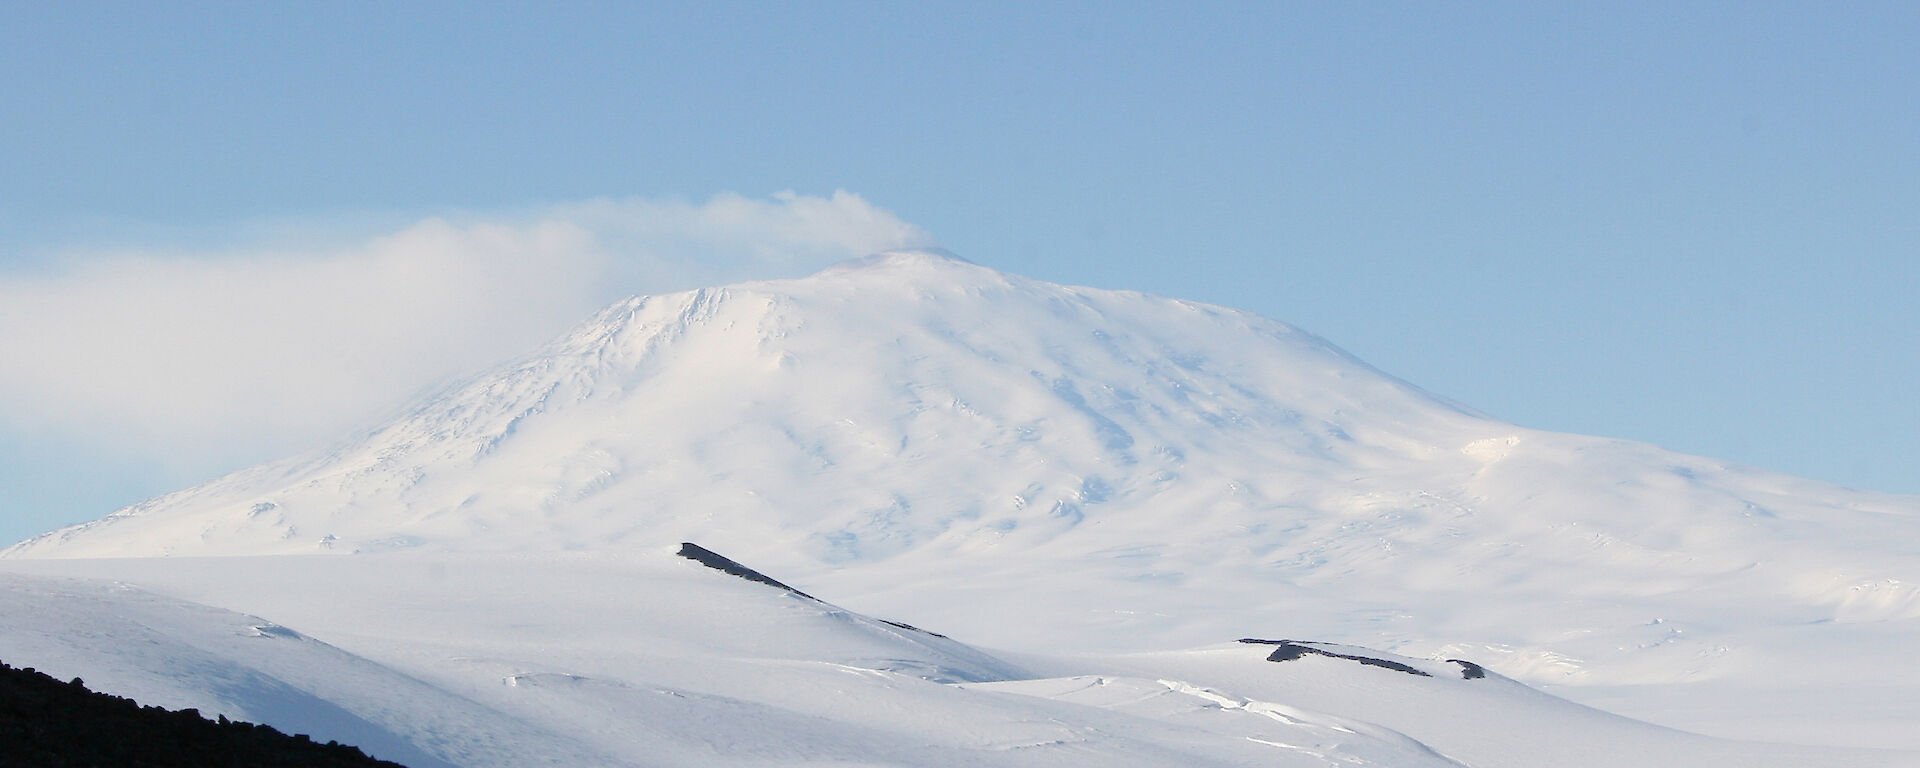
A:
(45, 723)
(1288, 650)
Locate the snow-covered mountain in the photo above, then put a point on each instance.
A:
(907, 401)
(1030, 465)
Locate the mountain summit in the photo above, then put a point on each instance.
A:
(897, 401)
(912, 402)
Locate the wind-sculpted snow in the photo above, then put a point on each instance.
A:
(1038, 466)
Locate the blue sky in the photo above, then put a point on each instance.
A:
(1691, 224)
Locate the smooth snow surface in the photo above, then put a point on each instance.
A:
(1027, 466)
(650, 659)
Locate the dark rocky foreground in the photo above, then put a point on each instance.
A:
(45, 723)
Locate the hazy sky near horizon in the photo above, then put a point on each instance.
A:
(233, 231)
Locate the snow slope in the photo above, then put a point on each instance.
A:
(1037, 466)
(525, 661)
(643, 658)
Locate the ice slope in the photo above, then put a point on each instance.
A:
(1037, 465)
(643, 658)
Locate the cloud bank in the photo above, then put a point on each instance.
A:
(206, 359)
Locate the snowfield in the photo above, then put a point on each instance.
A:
(644, 658)
(1094, 493)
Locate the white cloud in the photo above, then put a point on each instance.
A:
(212, 358)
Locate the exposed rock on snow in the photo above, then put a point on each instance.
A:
(1288, 650)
